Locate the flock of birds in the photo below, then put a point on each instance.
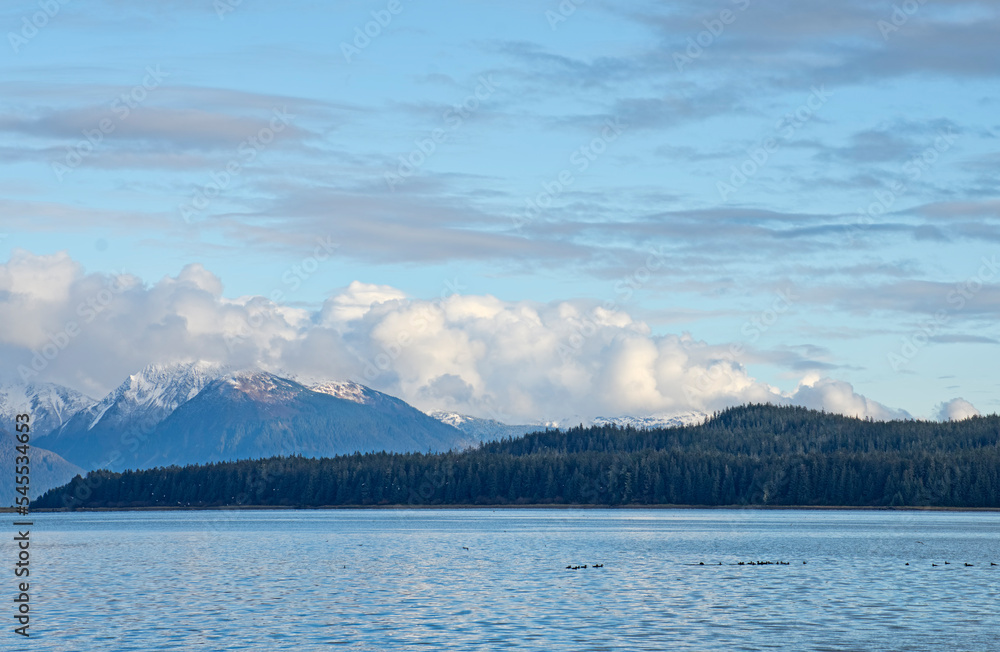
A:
(753, 563)
(749, 563)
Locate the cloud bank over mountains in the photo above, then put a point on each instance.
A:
(479, 355)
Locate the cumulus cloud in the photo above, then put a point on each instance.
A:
(956, 409)
(356, 301)
(837, 396)
(480, 355)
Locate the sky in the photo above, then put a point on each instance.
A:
(517, 210)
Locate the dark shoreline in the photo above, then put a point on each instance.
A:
(511, 507)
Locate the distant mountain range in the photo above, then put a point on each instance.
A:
(199, 412)
(49, 405)
(107, 433)
(480, 429)
(655, 421)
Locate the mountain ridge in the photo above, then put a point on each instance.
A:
(50, 405)
(146, 419)
(251, 413)
(125, 428)
(752, 455)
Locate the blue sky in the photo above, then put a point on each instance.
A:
(814, 185)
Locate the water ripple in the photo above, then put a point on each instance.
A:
(497, 580)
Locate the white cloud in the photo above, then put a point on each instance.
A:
(956, 409)
(840, 397)
(356, 301)
(476, 354)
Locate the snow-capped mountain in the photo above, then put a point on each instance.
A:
(197, 413)
(655, 421)
(95, 436)
(479, 430)
(200, 412)
(49, 405)
(347, 390)
(253, 414)
(154, 392)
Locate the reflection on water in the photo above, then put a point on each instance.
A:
(497, 580)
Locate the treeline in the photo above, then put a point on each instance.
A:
(750, 455)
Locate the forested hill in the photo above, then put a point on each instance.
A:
(750, 455)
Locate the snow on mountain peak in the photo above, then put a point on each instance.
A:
(655, 420)
(260, 385)
(490, 429)
(158, 389)
(344, 389)
(452, 418)
(158, 375)
(480, 430)
(49, 404)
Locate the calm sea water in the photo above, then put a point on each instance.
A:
(497, 580)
